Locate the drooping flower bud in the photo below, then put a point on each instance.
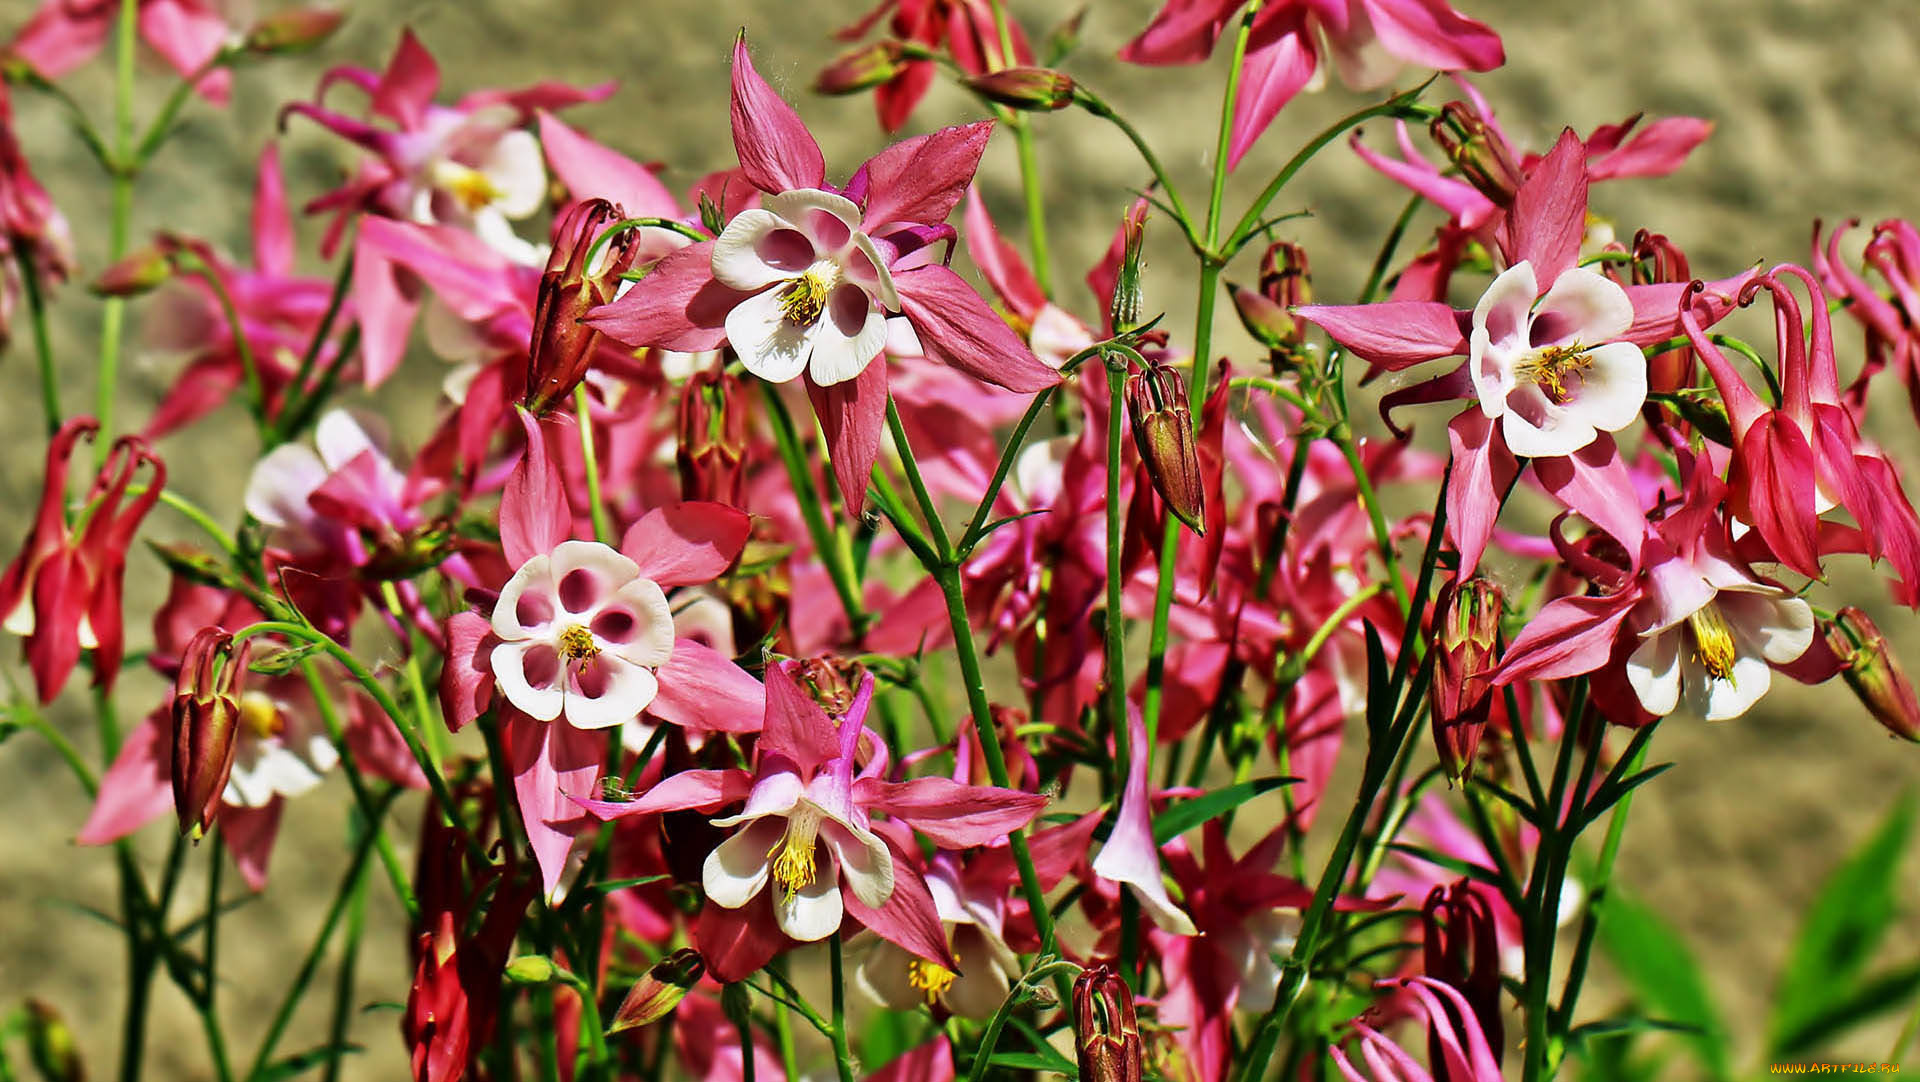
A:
(51, 1045)
(1106, 1035)
(712, 447)
(1477, 150)
(562, 345)
(1871, 671)
(659, 990)
(860, 69)
(206, 725)
(1466, 632)
(1267, 312)
(139, 271)
(1034, 90)
(292, 31)
(1123, 312)
(1163, 432)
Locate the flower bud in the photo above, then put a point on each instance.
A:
(1163, 432)
(659, 990)
(1267, 312)
(293, 31)
(1466, 633)
(860, 69)
(1123, 312)
(712, 447)
(140, 271)
(562, 345)
(206, 725)
(532, 969)
(1106, 1035)
(51, 1045)
(1871, 671)
(1477, 150)
(1034, 90)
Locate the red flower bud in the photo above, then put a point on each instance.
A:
(659, 990)
(1036, 90)
(140, 271)
(292, 31)
(206, 725)
(860, 69)
(1466, 632)
(1106, 1036)
(562, 345)
(712, 447)
(1871, 671)
(1267, 312)
(1477, 150)
(1163, 432)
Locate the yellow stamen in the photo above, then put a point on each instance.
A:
(805, 299)
(576, 644)
(1712, 641)
(793, 862)
(259, 714)
(469, 187)
(930, 977)
(1549, 369)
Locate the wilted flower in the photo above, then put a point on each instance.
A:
(570, 288)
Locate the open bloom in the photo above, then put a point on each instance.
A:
(1550, 367)
(1711, 637)
(580, 635)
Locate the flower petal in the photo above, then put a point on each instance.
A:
(609, 691)
(815, 911)
(776, 151)
(680, 544)
(737, 869)
(1582, 306)
(759, 248)
(769, 344)
(1613, 386)
(539, 694)
(1654, 671)
(853, 331)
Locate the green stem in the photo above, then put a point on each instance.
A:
(1036, 204)
(1342, 437)
(43, 348)
(256, 390)
(1223, 142)
(1597, 896)
(162, 124)
(291, 404)
(590, 1021)
(423, 713)
(590, 464)
(343, 1010)
(1116, 651)
(807, 495)
(942, 546)
(209, 980)
(1096, 105)
(976, 526)
(842, 1054)
(363, 798)
(119, 220)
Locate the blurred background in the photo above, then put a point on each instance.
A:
(1813, 104)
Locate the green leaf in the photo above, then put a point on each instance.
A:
(1888, 992)
(1655, 962)
(301, 1062)
(1844, 924)
(1183, 815)
(1035, 1061)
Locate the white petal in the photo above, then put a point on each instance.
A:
(869, 865)
(769, 345)
(737, 868)
(814, 911)
(586, 574)
(1608, 394)
(864, 265)
(848, 340)
(1779, 629)
(981, 984)
(515, 169)
(1654, 671)
(1537, 428)
(649, 639)
(1719, 700)
(278, 488)
(883, 976)
(827, 219)
(509, 665)
(1491, 370)
(738, 260)
(775, 794)
(625, 689)
(1506, 307)
(512, 620)
(1583, 306)
(342, 436)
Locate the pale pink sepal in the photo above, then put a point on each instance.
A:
(796, 726)
(1392, 334)
(1130, 855)
(1482, 469)
(1569, 637)
(1269, 79)
(853, 415)
(777, 153)
(534, 516)
(683, 543)
(699, 790)
(908, 919)
(249, 834)
(1595, 482)
(955, 816)
(466, 679)
(681, 307)
(407, 86)
(552, 762)
(931, 1062)
(920, 180)
(137, 788)
(590, 170)
(957, 328)
(1549, 212)
(702, 689)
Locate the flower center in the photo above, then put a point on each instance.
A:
(468, 186)
(793, 864)
(1549, 368)
(1712, 641)
(806, 297)
(930, 977)
(260, 716)
(577, 644)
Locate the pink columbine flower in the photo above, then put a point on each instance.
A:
(581, 633)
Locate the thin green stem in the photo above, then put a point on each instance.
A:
(942, 546)
(424, 720)
(1376, 515)
(370, 808)
(1036, 204)
(119, 219)
(590, 465)
(1597, 894)
(162, 124)
(343, 1010)
(292, 405)
(42, 346)
(590, 1022)
(977, 525)
(209, 963)
(1096, 105)
(1223, 142)
(842, 1054)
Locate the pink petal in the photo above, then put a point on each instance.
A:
(249, 834)
(1458, 198)
(684, 543)
(853, 414)
(1430, 33)
(1595, 482)
(735, 943)
(931, 1062)
(920, 180)
(1273, 74)
(551, 763)
(777, 153)
(1482, 469)
(700, 790)
(999, 264)
(1549, 212)
(534, 517)
(590, 170)
(957, 328)
(407, 87)
(384, 312)
(1777, 465)
(702, 689)
(1183, 32)
(1570, 636)
(1656, 308)
(138, 787)
(908, 919)
(1392, 334)
(272, 227)
(955, 816)
(60, 37)
(677, 306)
(1130, 855)
(188, 34)
(796, 726)
(1659, 149)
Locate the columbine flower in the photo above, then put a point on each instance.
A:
(1550, 368)
(1717, 650)
(826, 313)
(580, 634)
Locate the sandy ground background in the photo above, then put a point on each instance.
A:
(1814, 106)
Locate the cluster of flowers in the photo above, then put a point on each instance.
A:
(703, 644)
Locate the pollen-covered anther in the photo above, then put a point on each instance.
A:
(577, 644)
(793, 860)
(260, 715)
(1549, 369)
(1712, 641)
(931, 978)
(805, 298)
(469, 187)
